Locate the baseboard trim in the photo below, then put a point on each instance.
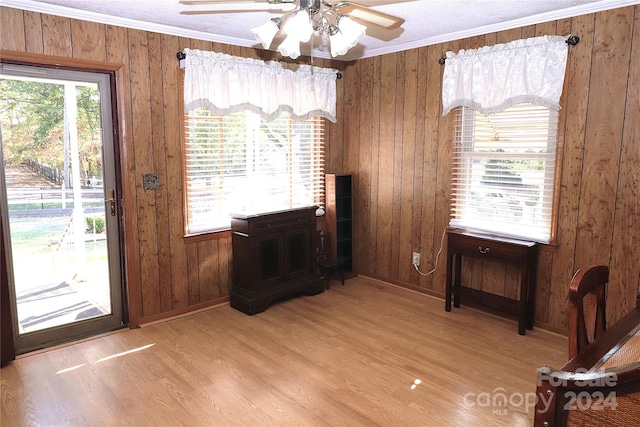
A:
(187, 311)
(428, 292)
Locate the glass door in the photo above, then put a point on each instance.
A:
(59, 194)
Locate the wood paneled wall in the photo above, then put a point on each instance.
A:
(166, 274)
(398, 147)
(390, 135)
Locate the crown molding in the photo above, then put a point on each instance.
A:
(506, 25)
(135, 24)
(251, 43)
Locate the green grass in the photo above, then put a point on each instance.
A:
(50, 205)
(36, 261)
(30, 236)
(33, 235)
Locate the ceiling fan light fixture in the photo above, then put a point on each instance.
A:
(321, 16)
(330, 17)
(266, 32)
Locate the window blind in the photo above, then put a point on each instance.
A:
(240, 163)
(503, 171)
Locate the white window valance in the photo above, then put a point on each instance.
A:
(492, 78)
(225, 84)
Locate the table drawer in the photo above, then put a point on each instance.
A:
(493, 249)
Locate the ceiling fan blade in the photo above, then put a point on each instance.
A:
(373, 16)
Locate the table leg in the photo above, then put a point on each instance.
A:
(523, 304)
(447, 300)
(457, 262)
(531, 294)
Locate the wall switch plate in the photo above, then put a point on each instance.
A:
(415, 259)
(150, 181)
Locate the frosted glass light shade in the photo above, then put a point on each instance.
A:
(348, 35)
(290, 46)
(265, 33)
(300, 26)
(339, 44)
(352, 31)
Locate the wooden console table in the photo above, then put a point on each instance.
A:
(522, 254)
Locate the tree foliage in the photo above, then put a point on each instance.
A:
(32, 117)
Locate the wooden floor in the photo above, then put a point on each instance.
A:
(366, 354)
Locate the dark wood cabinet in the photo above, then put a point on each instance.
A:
(339, 218)
(274, 256)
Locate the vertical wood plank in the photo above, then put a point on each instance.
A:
(335, 133)
(193, 271)
(351, 122)
(385, 163)
(508, 35)
(33, 32)
(375, 165)
(396, 188)
(209, 266)
(418, 161)
(543, 285)
(466, 276)
(493, 278)
(12, 29)
(350, 148)
(174, 139)
(362, 200)
(512, 279)
(88, 40)
(225, 262)
(432, 107)
(144, 164)
(624, 275)
(56, 32)
(409, 151)
(158, 121)
(603, 136)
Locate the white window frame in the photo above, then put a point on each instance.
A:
(492, 198)
(270, 177)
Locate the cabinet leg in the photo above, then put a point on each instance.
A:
(521, 328)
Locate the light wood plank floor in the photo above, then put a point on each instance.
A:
(349, 356)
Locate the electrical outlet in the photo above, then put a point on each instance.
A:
(415, 259)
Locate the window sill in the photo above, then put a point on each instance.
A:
(211, 235)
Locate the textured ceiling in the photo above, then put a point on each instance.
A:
(426, 22)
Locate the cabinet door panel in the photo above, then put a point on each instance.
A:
(298, 252)
(269, 267)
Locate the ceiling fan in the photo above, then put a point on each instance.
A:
(308, 17)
